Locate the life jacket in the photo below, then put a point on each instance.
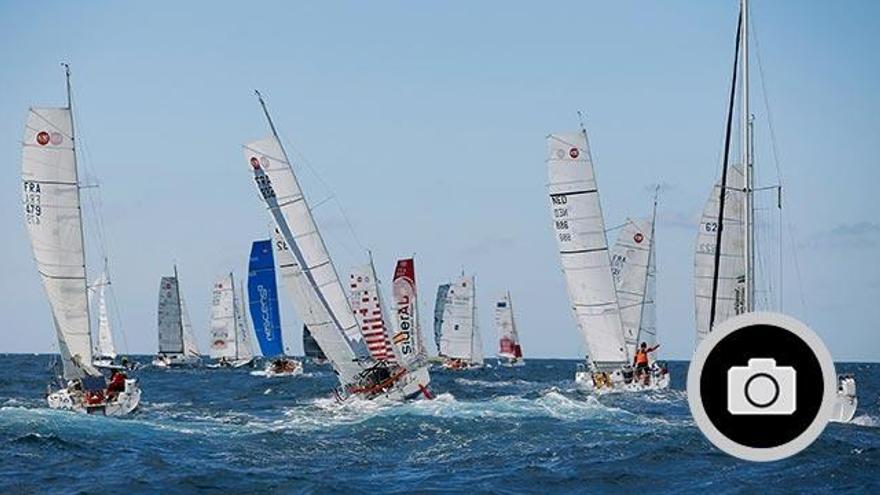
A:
(641, 357)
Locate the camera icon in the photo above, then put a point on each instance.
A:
(761, 388)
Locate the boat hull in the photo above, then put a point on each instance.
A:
(511, 363)
(270, 371)
(177, 361)
(847, 400)
(68, 399)
(617, 381)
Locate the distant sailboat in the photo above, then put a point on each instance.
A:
(177, 344)
(105, 351)
(312, 280)
(724, 261)
(583, 250)
(53, 215)
(230, 345)
(311, 349)
(456, 324)
(263, 298)
(509, 347)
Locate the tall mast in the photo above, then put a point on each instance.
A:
(234, 313)
(82, 234)
(747, 168)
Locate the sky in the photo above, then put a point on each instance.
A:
(420, 127)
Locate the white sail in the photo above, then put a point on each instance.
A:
(630, 258)
(190, 347)
(244, 349)
(369, 312)
(223, 319)
(583, 248)
(648, 325)
(731, 267)
(506, 327)
(50, 197)
(459, 333)
(105, 348)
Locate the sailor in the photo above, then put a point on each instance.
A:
(116, 385)
(641, 360)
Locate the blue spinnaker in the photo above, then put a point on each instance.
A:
(263, 299)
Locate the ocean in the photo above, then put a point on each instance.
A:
(495, 430)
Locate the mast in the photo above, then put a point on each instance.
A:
(82, 234)
(749, 301)
(724, 167)
(234, 313)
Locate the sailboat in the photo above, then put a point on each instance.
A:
(311, 349)
(370, 313)
(633, 266)
(53, 215)
(313, 282)
(455, 322)
(586, 263)
(230, 345)
(407, 334)
(724, 261)
(509, 347)
(177, 343)
(105, 350)
(263, 299)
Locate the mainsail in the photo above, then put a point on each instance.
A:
(175, 329)
(263, 299)
(630, 260)
(583, 248)
(407, 337)
(50, 196)
(105, 347)
(369, 312)
(508, 338)
(459, 333)
(319, 296)
(730, 299)
(224, 340)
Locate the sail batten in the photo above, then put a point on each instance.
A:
(580, 235)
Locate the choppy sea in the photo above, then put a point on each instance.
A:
(495, 430)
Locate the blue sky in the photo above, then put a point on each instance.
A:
(426, 123)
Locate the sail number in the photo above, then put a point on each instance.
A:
(560, 217)
(265, 186)
(31, 199)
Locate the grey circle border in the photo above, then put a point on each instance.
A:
(800, 442)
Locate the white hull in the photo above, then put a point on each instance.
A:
(177, 361)
(67, 399)
(269, 371)
(238, 363)
(460, 365)
(511, 363)
(847, 400)
(615, 381)
(409, 386)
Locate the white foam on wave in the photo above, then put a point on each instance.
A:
(866, 420)
(494, 384)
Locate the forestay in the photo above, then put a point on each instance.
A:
(583, 248)
(263, 299)
(51, 202)
(630, 258)
(731, 268)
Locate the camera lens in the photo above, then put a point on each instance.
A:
(761, 390)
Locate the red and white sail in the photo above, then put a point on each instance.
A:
(407, 336)
(368, 310)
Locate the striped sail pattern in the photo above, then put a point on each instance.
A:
(508, 338)
(630, 258)
(51, 204)
(368, 311)
(407, 339)
(583, 248)
(732, 267)
(223, 319)
(459, 332)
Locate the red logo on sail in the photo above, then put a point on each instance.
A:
(638, 238)
(42, 138)
(574, 153)
(255, 163)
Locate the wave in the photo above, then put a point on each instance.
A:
(866, 420)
